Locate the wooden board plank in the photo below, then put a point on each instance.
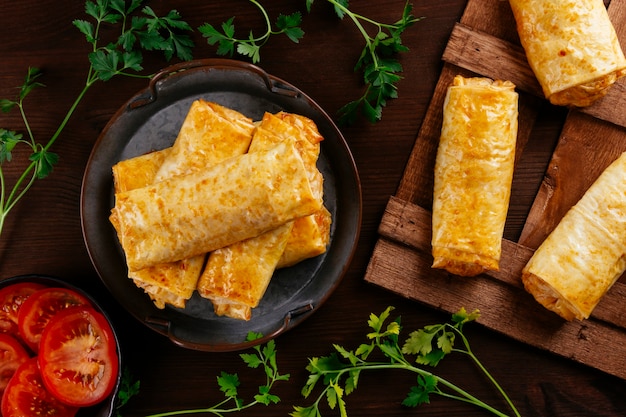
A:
(590, 140)
(492, 57)
(577, 161)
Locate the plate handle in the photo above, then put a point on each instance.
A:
(168, 330)
(291, 315)
(274, 86)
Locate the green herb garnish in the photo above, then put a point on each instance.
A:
(263, 358)
(129, 387)
(139, 32)
(251, 46)
(377, 62)
(339, 372)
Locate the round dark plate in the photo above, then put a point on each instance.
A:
(150, 121)
(107, 406)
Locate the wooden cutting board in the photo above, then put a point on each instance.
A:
(590, 140)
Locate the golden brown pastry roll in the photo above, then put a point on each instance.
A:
(197, 213)
(309, 237)
(139, 171)
(571, 47)
(586, 253)
(169, 283)
(237, 275)
(473, 175)
(209, 134)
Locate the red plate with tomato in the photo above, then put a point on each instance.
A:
(58, 350)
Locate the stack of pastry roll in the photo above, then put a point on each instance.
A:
(208, 192)
(586, 253)
(473, 175)
(210, 134)
(571, 47)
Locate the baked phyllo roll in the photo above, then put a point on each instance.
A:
(237, 276)
(586, 253)
(309, 237)
(473, 174)
(571, 47)
(209, 133)
(168, 283)
(197, 213)
(139, 171)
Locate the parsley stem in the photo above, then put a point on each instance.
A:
(268, 23)
(215, 410)
(357, 22)
(68, 115)
(19, 188)
(405, 365)
(468, 351)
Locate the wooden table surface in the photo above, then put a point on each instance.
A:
(43, 234)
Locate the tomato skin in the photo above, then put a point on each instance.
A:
(26, 395)
(12, 355)
(11, 299)
(40, 307)
(78, 356)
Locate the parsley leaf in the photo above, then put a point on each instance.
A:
(339, 372)
(129, 387)
(377, 62)
(44, 161)
(418, 395)
(8, 140)
(228, 384)
(250, 46)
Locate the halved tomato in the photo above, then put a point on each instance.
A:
(78, 356)
(11, 299)
(26, 395)
(40, 307)
(12, 355)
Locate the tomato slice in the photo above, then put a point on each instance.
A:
(78, 356)
(25, 395)
(12, 355)
(11, 299)
(39, 308)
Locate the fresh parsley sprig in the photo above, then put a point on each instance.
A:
(377, 62)
(139, 32)
(264, 357)
(339, 372)
(129, 387)
(251, 46)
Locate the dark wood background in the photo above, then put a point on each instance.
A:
(43, 234)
